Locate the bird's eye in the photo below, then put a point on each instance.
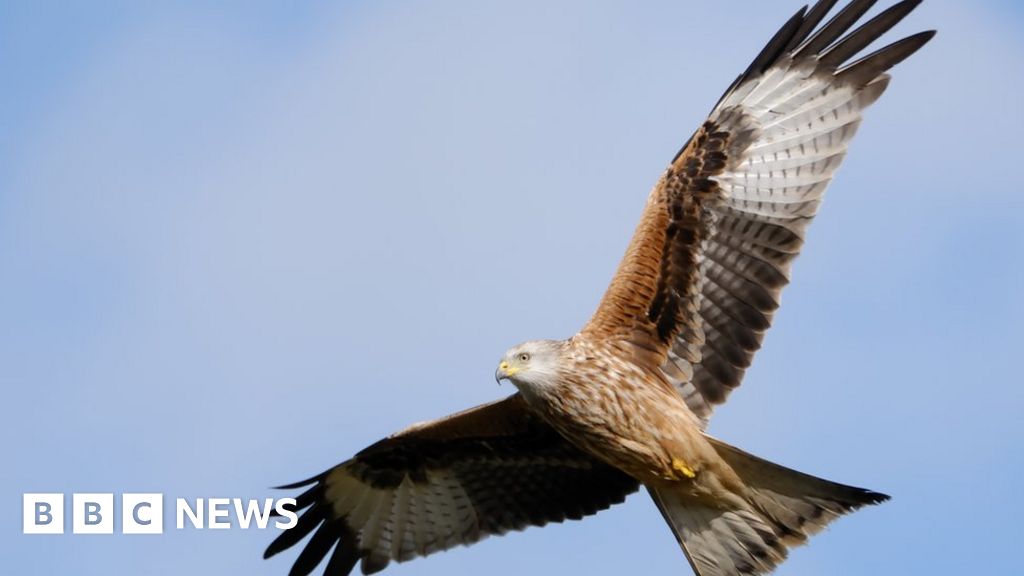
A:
(524, 357)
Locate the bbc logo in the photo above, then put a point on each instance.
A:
(92, 513)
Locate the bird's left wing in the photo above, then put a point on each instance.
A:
(449, 482)
(702, 277)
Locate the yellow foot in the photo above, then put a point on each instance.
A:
(681, 467)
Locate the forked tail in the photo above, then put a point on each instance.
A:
(780, 508)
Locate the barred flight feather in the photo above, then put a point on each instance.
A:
(447, 483)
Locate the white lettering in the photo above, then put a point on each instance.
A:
(261, 514)
(218, 508)
(183, 509)
(290, 514)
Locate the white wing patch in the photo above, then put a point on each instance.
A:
(799, 123)
(413, 519)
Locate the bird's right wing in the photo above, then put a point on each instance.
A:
(702, 278)
(445, 483)
(802, 98)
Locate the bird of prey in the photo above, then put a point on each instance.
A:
(625, 401)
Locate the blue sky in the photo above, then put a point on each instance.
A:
(241, 241)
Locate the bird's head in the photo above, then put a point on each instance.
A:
(531, 364)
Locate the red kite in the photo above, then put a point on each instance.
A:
(625, 401)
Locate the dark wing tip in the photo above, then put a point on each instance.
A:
(329, 532)
(854, 497)
(833, 42)
(345, 555)
(791, 33)
(873, 65)
(326, 536)
(834, 28)
(855, 41)
(306, 523)
(777, 45)
(875, 497)
(810, 22)
(300, 483)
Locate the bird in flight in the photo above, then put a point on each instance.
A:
(625, 402)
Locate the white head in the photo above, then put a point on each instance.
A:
(531, 365)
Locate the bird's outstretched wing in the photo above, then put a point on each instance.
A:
(702, 277)
(445, 483)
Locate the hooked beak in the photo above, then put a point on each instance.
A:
(503, 372)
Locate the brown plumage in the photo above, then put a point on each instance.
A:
(449, 482)
(625, 401)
